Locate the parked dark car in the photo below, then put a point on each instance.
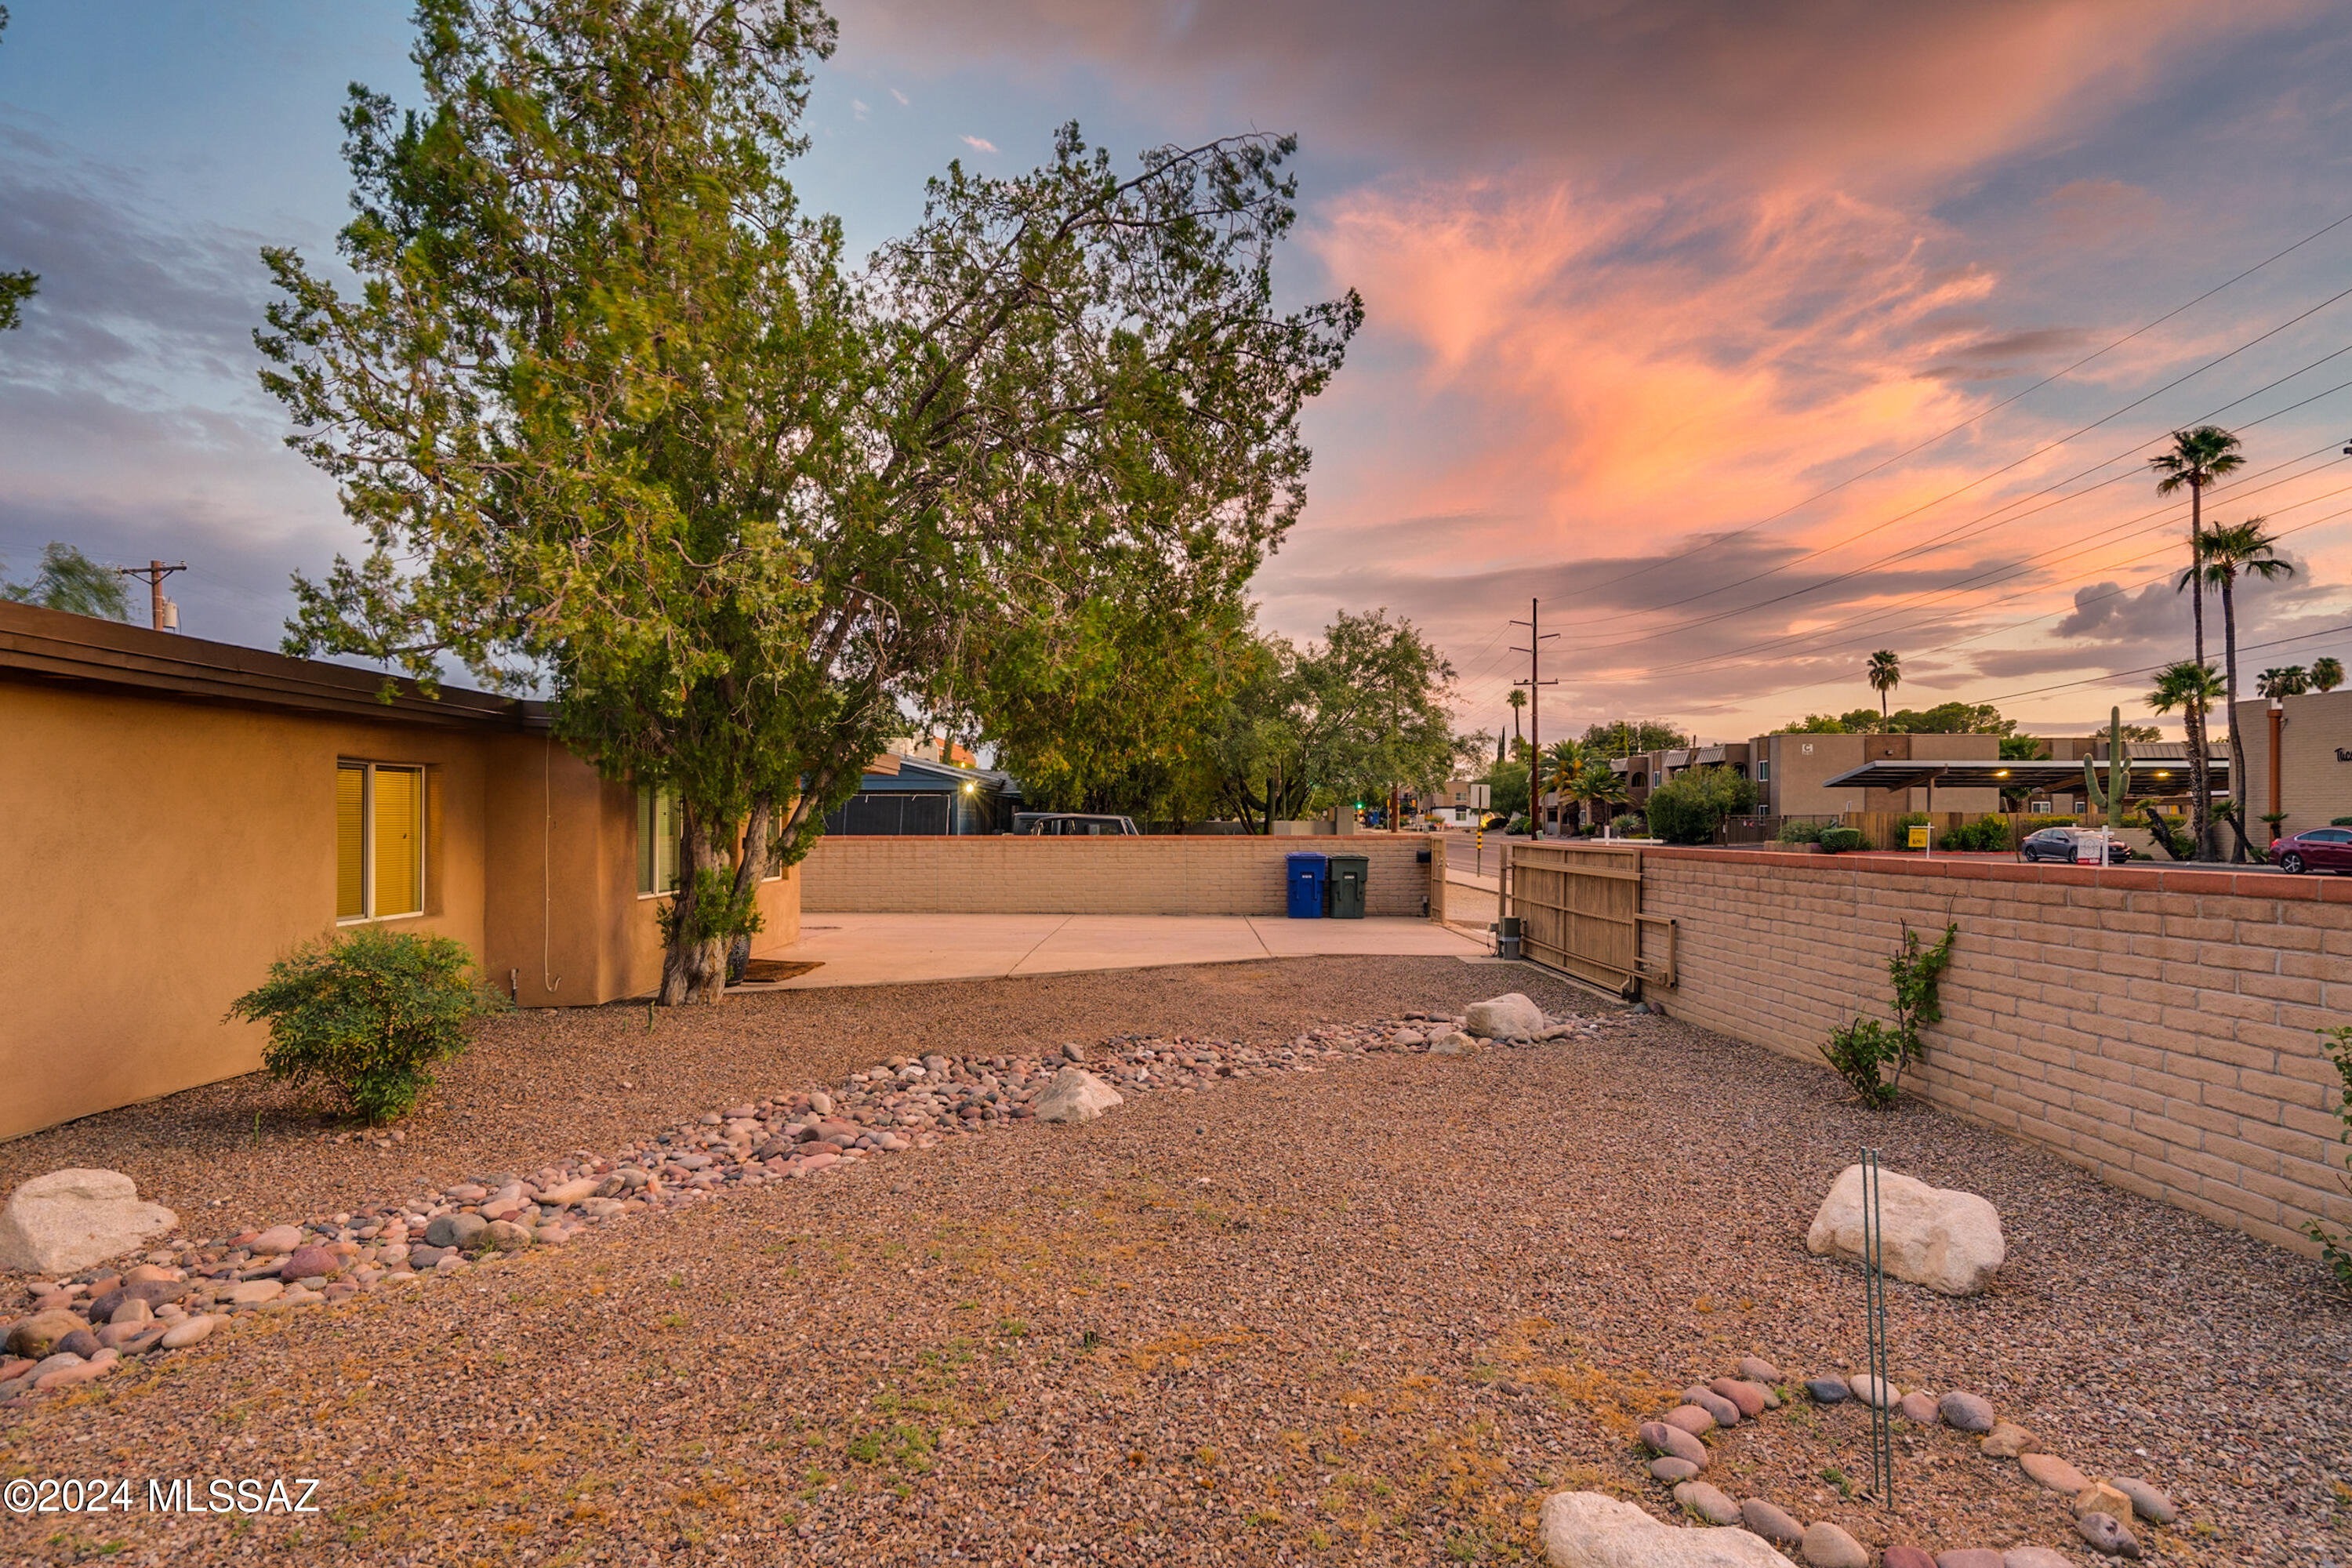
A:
(2058, 844)
(2315, 849)
(1072, 825)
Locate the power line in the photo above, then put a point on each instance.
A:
(1993, 408)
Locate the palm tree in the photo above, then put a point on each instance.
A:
(1580, 772)
(1518, 700)
(2326, 674)
(2198, 458)
(1885, 673)
(2191, 688)
(2224, 556)
(2290, 681)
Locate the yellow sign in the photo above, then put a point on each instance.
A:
(1919, 836)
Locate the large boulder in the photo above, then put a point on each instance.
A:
(68, 1220)
(1949, 1241)
(1586, 1530)
(1074, 1095)
(1503, 1018)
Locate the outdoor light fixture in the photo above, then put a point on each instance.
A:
(2001, 773)
(967, 788)
(2162, 774)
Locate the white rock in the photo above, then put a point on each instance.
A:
(1076, 1095)
(1586, 1530)
(1947, 1240)
(572, 1191)
(1502, 1018)
(1452, 1043)
(68, 1220)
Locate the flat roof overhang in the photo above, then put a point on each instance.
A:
(2165, 775)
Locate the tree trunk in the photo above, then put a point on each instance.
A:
(2237, 745)
(751, 868)
(693, 970)
(2200, 774)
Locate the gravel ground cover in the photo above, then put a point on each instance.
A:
(1371, 1313)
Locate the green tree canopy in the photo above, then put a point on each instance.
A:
(1624, 736)
(72, 582)
(1339, 721)
(617, 421)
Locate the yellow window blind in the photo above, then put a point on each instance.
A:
(350, 842)
(399, 842)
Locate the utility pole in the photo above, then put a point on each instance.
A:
(1537, 637)
(165, 615)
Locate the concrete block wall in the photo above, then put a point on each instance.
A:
(1004, 875)
(2156, 1026)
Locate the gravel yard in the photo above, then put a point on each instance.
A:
(1370, 1313)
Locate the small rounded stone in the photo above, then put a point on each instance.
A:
(2146, 1502)
(1707, 1502)
(2055, 1474)
(1671, 1470)
(1828, 1390)
(1828, 1545)
(1918, 1407)
(2108, 1535)
(1770, 1521)
(1905, 1557)
(1969, 1557)
(1966, 1412)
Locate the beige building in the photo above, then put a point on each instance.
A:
(183, 811)
(1792, 773)
(2311, 778)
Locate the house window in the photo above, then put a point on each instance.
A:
(378, 841)
(658, 820)
(1763, 769)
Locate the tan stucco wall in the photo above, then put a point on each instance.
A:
(2314, 786)
(2156, 1026)
(1799, 775)
(1155, 875)
(162, 853)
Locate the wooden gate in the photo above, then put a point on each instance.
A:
(1580, 910)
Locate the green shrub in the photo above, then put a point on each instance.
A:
(1913, 819)
(2337, 822)
(1839, 840)
(1626, 825)
(1689, 808)
(368, 1011)
(2039, 823)
(1859, 1051)
(1985, 834)
(1802, 830)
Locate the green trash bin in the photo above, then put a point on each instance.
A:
(1345, 886)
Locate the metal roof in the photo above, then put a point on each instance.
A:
(2168, 774)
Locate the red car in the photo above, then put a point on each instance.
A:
(2315, 849)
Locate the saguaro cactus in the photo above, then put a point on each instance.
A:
(2110, 799)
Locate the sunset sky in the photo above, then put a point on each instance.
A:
(1714, 327)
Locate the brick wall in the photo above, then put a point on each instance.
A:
(2154, 1026)
(1004, 875)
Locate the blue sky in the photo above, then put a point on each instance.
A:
(1640, 280)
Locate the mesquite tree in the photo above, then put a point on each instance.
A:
(621, 426)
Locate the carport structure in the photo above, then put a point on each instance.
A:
(2170, 776)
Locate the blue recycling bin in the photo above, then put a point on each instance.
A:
(1304, 872)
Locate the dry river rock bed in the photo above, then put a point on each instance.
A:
(1370, 1312)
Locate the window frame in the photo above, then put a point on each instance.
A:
(650, 800)
(367, 769)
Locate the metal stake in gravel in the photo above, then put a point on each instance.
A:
(1873, 1286)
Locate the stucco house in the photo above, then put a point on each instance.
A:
(178, 813)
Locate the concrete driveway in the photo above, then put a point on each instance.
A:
(883, 950)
